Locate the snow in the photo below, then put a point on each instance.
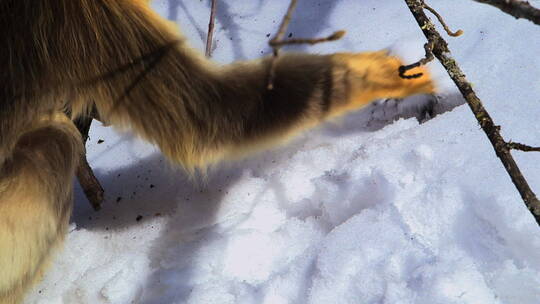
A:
(368, 209)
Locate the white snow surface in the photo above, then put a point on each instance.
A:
(367, 209)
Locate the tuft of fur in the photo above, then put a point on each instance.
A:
(60, 55)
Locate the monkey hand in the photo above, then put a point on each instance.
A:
(374, 75)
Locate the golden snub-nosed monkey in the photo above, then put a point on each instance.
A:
(59, 55)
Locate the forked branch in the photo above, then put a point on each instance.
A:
(516, 8)
(278, 41)
(502, 148)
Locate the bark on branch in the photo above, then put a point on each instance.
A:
(522, 147)
(516, 8)
(502, 148)
(210, 35)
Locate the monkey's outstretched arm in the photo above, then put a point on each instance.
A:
(142, 76)
(199, 113)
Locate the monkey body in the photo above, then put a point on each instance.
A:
(141, 75)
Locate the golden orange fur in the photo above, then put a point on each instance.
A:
(60, 55)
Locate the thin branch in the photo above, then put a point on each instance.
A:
(279, 37)
(278, 41)
(428, 47)
(335, 36)
(441, 20)
(283, 26)
(522, 147)
(211, 29)
(441, 51)
(516, 8)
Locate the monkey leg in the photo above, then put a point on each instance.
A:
(35, 202)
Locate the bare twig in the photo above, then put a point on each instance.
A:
(279, 36)
(441, 20)
(211, 29)
(428, 47)
(283, 26)
(335, 36)
(516, 8)
(522, 147)
(441, 51)
(278, 41)
(89, 183)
